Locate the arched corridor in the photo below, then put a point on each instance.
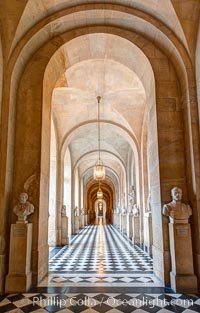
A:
(99, 146)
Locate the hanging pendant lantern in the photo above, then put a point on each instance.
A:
(99, 194)
(99, 171)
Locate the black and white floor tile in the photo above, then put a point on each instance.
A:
(100, 302)
(102, 279)
(100, 271)
(101, 249)
(99, 280)
(100, 255)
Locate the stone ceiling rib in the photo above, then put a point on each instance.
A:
(126, 136)
(105, 155)
(37, 10)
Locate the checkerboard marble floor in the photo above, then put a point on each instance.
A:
(101, 249)
(100, 302)
(101, 256)
(100, 271)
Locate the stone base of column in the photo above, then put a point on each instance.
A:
(18, 283)
(183, 283)
(2, 272)
(19, 278)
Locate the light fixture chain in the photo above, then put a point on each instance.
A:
(99, 169)
(99, 98)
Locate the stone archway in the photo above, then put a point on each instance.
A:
(100, 209)
(42, 201)
(157, 222)
(91, 198)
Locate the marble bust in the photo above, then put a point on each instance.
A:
(176, 209)
(130, 206)
(132, 194)
(76, 211)
(23, 208)
(135, 210)
(148, 206)
(118, 211)
(124, 211)
(123, 207)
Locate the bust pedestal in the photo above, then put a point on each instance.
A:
(19, 278)
(182, 274)
(82, 221)
(148, 235)
(64, 230)
(76, 224)
(124, 223)
(120, 222)
(116, 220)
(136, 229)
(85, 220)
(129, 226)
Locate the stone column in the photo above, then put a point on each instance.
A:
(64, 230)
(136, 229)
(19, 278)
(182, 274)
(148, 235)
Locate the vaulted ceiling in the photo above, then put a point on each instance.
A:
(102, 64)
(99, 68)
